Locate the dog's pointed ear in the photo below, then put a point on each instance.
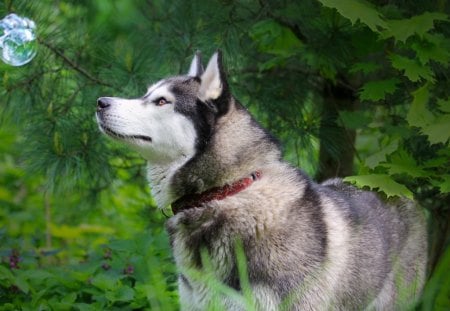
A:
(196, 68)
(213, 81)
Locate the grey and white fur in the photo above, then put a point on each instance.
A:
(322, 246)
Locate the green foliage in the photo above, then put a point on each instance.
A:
(437, 293)
(68, 196)
(127, 275)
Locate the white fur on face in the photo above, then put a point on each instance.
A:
(137, 121)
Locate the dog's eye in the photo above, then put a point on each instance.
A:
(161, 101)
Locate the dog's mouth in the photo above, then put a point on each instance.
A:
(114, 134)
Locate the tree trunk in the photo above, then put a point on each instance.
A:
(336, 142)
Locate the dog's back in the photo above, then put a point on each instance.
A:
(388, 249)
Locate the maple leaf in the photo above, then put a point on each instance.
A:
(358, 10)
(380, 156)
(401, 162)
(444, 105)
(439, 130)
(382, 182)
(412, 69)
(418, 114)
(432, 47)
(367, 67)
(402, 29)
(377, 90)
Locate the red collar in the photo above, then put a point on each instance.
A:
(216, 193)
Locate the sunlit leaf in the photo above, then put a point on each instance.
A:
(444, 105)
(412, 69)
(418, 114)
(402, 29)
(358, 10)
(382, 182)
(439, 130)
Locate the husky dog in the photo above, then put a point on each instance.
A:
(308, 246)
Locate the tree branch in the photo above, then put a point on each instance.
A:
(72, 64)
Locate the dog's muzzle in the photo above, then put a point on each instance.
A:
(104, 103)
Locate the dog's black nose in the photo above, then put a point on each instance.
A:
(102, 103)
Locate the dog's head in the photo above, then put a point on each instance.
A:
(176, 116)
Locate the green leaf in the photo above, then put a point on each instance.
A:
(432, 47)
(22, 284)
(412, 69)
(5, 274)
(85, 307)
(382, 182)
(380, 156)
(419, 115)
(123, 293)
(365, 68)
(69, 298)
(273, 38)
(444, 104)
(441, 159)
(402, 29)
(377, 90)
(105, 281)
(65, 232)
(402, 162)
(38, 275)
(358, 10)
(444, 185)
(439, 130)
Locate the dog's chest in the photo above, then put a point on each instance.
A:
(202, 251)
(199, 240)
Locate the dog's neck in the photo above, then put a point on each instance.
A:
(159, 177)
(230, 157)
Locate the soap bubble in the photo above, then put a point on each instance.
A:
(17, 40)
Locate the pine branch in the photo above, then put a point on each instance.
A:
(72, 64)
(29, 80)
